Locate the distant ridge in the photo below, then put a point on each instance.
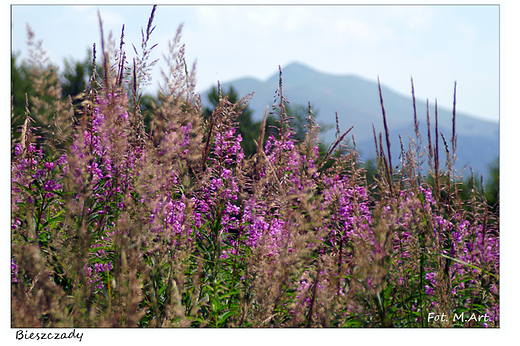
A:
(357, 102)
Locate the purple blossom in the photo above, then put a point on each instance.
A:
(102, 267)
(14, 270)
(51, 186)
(49, 166)
(432, 278)
(429, 290)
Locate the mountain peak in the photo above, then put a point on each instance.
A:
(357, 103)
(297, 66)
(294, 70)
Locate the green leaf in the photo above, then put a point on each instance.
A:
(55, 219)
(222, 319)
(467, 264)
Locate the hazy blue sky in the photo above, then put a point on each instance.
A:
(437, 45)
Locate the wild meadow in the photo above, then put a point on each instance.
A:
(118, 222)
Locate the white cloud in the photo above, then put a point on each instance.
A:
(263, 18)
(412, 17)
(357, 30)
(468, 32)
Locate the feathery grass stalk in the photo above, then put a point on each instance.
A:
(430, 145)
(436, 153)
(387, 133)
(453, 132)
(375, 141)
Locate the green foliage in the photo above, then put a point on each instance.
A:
(76, 77)
(493, 185)
(20, 86)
